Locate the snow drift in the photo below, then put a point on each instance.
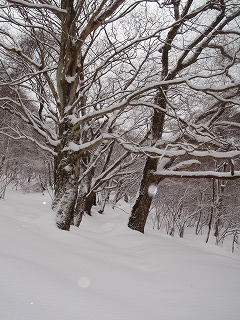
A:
(105, 271)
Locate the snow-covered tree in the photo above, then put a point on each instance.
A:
(77, 64)
(200, 32)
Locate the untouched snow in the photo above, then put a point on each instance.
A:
(105, 271)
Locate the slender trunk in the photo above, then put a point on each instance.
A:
(212, 211)
(209, 227)
(235, 240)
(181, 231)
(105, 200)
(200, 214)
(216, 229)
(198, 223)
(220, 186)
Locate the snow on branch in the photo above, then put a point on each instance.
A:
(38, 6)
(222, 99)
(219, 88)
(228, 124)
(74, 147)
(184, 165)
(195, 153)
(198, 174)
(130, 98)
(125, 101)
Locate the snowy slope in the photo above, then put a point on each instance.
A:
(104, 271)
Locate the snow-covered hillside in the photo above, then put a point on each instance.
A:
(105, 271)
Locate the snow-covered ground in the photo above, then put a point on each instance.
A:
(105, 271)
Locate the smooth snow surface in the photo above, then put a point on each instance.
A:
(105, 271)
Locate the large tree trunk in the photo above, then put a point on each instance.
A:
(143, 203)
(66, 188)
(67, 167)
